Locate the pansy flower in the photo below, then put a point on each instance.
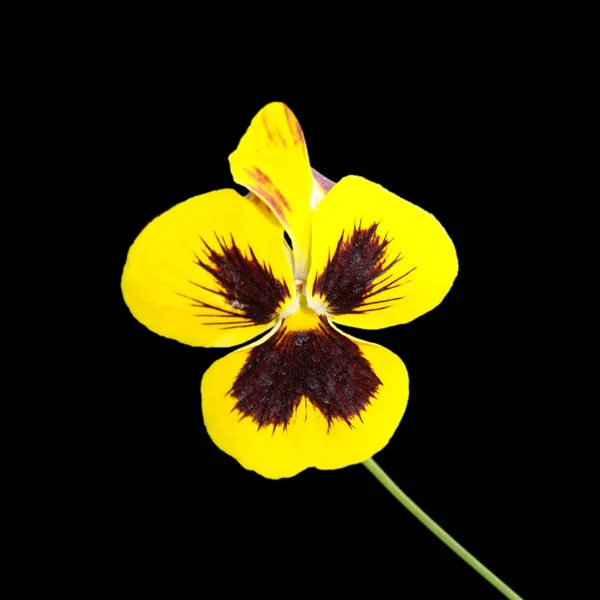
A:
(218, 270)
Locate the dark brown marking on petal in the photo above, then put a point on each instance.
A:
(268, 192)
(321, 365)
(357, 273)
(248, 287)
(265, 122)
(295, 129)
(273, 136)
(324, 183)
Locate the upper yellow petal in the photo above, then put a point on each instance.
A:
(271, 160)
(377, 260)
(307, 396)
(211, 271)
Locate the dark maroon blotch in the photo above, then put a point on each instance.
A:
(320, 364)
(247, 286)
(354, 276)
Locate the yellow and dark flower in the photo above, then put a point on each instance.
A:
(216, 270)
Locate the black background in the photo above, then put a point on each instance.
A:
(469, 448)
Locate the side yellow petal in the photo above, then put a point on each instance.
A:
(377, 260)
(308, 434)
(211, 271)
(271, 160)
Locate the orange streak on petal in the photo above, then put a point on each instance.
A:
(265, 188)
(295, 129)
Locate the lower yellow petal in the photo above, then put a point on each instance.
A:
(211, 271)
(272, 405)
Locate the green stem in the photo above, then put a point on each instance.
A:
(385, 480)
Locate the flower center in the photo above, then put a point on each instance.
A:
(301, 301)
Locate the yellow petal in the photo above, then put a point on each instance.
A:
(307, 396)
(377, 260)
(211, 271)
(271, 160)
